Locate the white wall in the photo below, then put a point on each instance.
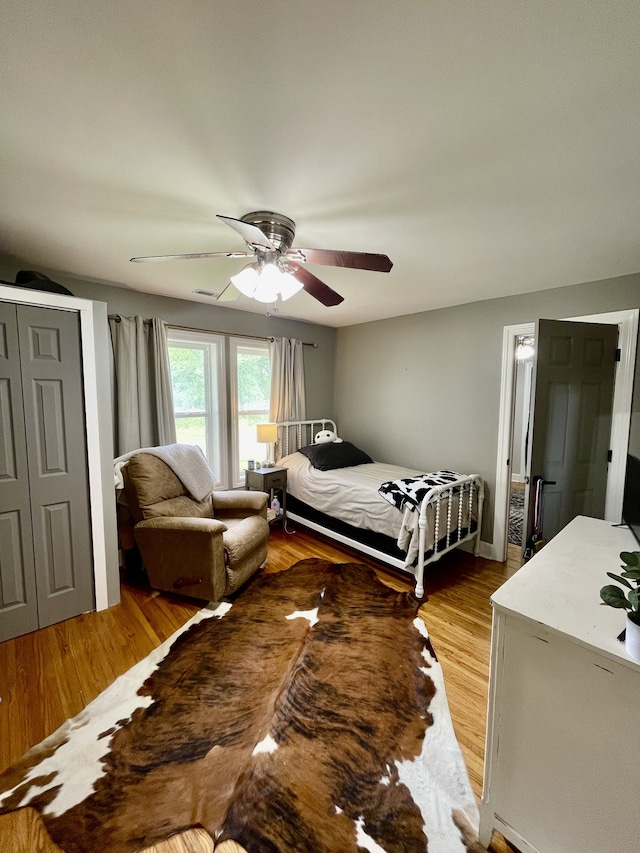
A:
(521, 406)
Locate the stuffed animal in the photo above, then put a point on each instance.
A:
(326, 436)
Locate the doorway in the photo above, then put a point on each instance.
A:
(627, 322)
(523, 372)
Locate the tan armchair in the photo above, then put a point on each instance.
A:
(205, 549)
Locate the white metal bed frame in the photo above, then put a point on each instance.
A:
(295, 434)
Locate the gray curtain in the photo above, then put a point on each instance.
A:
(287, 381)
(143, 399)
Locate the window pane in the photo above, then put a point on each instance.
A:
(253, 383)
(192, 431)
(188, 379)
(197, 377)
(254, 379)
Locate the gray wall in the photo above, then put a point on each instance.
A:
(319, 362)
(424, 390)
(421, 390)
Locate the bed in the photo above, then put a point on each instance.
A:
(401, 516)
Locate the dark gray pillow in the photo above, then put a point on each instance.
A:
(327, 457)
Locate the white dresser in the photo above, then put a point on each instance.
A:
(562, 765)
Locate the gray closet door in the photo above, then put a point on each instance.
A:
(18, 604)
(50, 357)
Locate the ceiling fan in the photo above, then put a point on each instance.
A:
(275, 270)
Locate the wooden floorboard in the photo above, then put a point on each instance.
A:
(50, 675)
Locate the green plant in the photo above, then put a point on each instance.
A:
(613, 596)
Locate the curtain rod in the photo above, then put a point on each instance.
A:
(116, 317)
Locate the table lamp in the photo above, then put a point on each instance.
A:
(267, 434)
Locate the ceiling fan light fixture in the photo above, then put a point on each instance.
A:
(268, 285)
(246, 281)
(289, 285)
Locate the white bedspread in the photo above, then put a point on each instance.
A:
(351, 495)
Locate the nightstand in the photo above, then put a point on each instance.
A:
(268, 480)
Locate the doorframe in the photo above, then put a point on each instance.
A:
(627, 322)
(90, 372)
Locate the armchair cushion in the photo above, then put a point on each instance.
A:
(243, 537)
(181, 507)
(152, 480)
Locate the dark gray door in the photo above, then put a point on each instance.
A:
(18, 604)
(571, 421)
(51, 366)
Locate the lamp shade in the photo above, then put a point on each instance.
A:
(267, 433)
(265, 282)
(268, 285)
(288, 285)
(246, 280)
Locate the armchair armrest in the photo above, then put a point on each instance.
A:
(239, 502)
(208, 526)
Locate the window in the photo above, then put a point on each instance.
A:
(199, 399)
(204, 391)
(251, 392)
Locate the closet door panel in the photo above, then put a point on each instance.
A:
(18, 602)
(57, 458)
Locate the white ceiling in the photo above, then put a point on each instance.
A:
(487, 147)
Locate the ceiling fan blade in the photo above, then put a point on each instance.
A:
(314, 287)
(193, 255)
(229, 294)
(338, 258)
(251, 234)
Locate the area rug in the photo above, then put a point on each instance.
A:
(516, 516)
(307, 715)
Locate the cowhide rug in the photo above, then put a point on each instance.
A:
(308, 715)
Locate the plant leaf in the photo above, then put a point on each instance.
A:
(631, 558)
(614, 597)
(634, 574)
(634, 600)
(620, 580)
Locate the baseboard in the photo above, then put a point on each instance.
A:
(489, 551)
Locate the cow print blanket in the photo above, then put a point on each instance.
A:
(409, 492)
(308, 715)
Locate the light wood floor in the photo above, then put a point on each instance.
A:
(51, 674)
